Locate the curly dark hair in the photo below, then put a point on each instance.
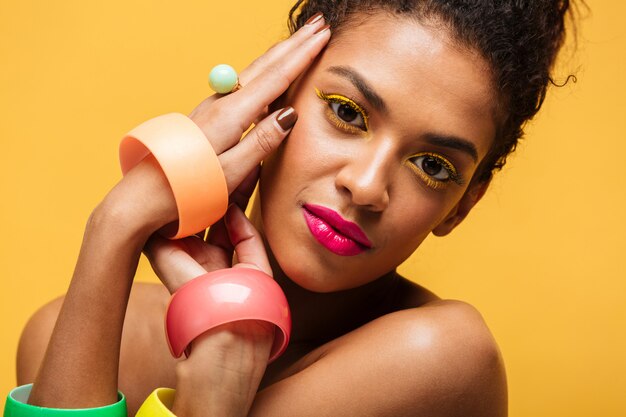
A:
(518, 38)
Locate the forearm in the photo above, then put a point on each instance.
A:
(80, 367)
(84, 347)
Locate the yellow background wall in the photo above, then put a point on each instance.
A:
(542, 256)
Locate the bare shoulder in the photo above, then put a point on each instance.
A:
(439, 359)
(34, 340)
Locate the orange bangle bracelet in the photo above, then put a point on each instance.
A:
(189, 164)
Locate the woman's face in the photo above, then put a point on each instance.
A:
(393, 121)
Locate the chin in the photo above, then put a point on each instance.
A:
(302, 268)
(312, 271)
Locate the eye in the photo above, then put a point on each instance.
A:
(434, 167)
(435, 170)
(345, 113)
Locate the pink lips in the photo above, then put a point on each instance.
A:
(338, 235)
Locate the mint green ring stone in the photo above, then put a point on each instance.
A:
(223, 78)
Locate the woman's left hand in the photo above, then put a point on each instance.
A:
(222, 374)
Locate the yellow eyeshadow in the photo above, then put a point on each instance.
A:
(424, 177)
(443, 161)
(338, 98)
(428, 180)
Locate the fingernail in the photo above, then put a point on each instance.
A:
(314, 19)
(322, 29)
(287, 118)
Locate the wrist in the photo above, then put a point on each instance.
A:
(188, 163)
(115, 219)
(243, 344)
(222, 374)
(139, 205)
(228, 303)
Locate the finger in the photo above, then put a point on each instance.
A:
(275, 79)
(230, 116)
(243, 192)
(171, 262)
(256, 146)
(280, 50)
(218, 235)
(247, 241)
(202, 109)
(273, 57)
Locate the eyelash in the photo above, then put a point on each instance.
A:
(339, 99)
(431, 182)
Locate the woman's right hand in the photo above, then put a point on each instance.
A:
(144, 198)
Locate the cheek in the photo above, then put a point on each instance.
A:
(308, 153)
(287, 173)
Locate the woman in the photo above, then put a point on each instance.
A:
(401, 120)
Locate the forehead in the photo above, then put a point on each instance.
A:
(420, 73)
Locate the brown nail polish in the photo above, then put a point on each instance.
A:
(287, 118)
(323, 28)
(314, 19)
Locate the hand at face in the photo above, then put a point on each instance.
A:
(223, 119)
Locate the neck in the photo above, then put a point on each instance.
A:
(319, 317)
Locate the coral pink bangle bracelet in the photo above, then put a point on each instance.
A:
(225, 296)
(189, 163)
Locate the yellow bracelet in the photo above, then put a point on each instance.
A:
(158, 404)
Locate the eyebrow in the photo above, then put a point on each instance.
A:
(446, 141)
(359, 82)
(453, 142)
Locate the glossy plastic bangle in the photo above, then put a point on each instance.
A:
(189, 163)
(158, 404)
(225, 296)
(17, 406)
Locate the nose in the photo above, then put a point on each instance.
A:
(366, 176)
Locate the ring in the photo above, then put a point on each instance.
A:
(223, 79)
